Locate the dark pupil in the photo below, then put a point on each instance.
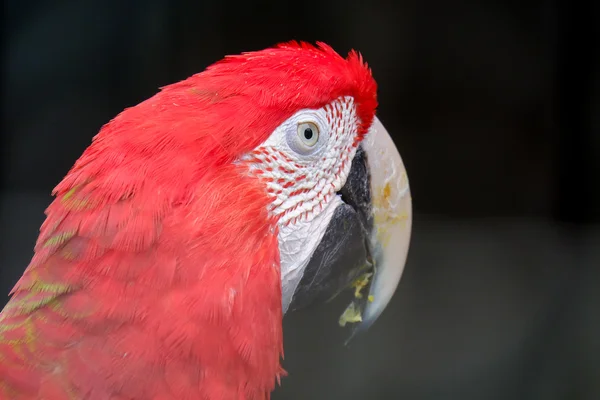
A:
(308, 133)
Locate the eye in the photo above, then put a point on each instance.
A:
(308, 133)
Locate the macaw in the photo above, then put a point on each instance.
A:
(196, 219)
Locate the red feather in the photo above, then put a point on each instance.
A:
(156, 273)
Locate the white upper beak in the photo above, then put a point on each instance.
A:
(392, 212)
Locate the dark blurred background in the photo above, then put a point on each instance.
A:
(494, 108)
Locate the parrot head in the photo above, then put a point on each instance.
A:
(197, 219)
(338, 188)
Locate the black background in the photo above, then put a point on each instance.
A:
(494, 108)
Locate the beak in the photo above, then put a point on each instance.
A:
(366, 242)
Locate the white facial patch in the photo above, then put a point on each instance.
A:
(304, 162)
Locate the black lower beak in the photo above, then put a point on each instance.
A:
(343, 256)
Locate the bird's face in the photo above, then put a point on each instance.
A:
(343, 205)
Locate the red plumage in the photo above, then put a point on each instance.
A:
(156, 273)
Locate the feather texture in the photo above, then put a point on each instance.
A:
(156, 273)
